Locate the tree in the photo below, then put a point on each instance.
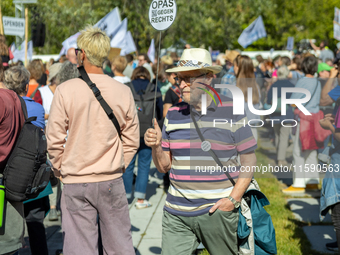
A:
(215, 23)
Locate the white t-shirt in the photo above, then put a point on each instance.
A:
(47, 97)
(122, 79)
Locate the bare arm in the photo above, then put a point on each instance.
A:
(224, 204)
(325, 99)
(162, 159)
(313, 45)
(166, 108)
(243, 181)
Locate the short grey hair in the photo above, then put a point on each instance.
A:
(67, 72)
(16, 79)
(282, 72)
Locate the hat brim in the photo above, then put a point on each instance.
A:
(214, 69)
(325, 69)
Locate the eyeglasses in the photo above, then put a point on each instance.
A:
(76, 51)
(187, 79)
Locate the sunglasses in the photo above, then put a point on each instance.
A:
(187, 79)
(76, 51)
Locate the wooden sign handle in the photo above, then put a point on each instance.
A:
(26, 35)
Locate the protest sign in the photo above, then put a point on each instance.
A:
(14, 26)
(336, 24)
(336, 31)
(162, 14)
(336, 15)
(290, 43)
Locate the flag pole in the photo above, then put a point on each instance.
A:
(1, 26)
(26, 35)
(158, 58)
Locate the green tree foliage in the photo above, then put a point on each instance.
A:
(215, 23)
(7, 9)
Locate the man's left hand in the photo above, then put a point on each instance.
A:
(223, 204)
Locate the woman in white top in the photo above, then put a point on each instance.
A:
(118, 66)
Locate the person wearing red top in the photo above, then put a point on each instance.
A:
(36, 70)
(11, 122)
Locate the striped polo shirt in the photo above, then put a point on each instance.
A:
(197, 182)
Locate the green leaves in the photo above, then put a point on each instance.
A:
(215, 23)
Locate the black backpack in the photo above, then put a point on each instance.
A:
(145, 105)
(26, 173)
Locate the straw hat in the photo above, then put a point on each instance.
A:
(167, 60)
(230, 55)
(195, 59)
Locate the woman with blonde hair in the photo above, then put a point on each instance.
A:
(118, 66)
(245, 78)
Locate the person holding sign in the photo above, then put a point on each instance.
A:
(201, 206)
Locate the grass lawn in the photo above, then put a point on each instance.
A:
(290, 237)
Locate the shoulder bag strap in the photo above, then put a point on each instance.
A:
(132, 87)
(96, 92)
(35, 91)
(212, 153)
(179, 95)
(23, 107)
(150, 87)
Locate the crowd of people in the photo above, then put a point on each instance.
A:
(95, 162)
(313, 136)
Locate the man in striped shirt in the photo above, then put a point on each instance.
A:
(202, 203)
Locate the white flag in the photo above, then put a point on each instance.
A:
(19, 54)
(129, 45)
(252, 33)
(110, 22)
(70, 42)
(118, 36)
(152, 51)
(62, 51)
